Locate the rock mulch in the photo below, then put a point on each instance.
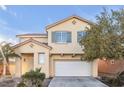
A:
(12, 82)
(9, 82)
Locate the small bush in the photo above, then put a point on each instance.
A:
(121, 78)
(33, 78)
(116, 81)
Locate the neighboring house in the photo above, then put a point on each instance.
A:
(57, 52)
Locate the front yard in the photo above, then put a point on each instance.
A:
(9, 82)
(33, 78)
(13, 82)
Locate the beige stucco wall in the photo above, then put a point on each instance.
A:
(73, 47)
(67, 51)
(53, 58)
(40, 39)
(35, 50)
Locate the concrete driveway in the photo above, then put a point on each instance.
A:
(75, 82)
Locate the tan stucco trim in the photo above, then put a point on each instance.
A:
(33, 41)
(68, 18)
(32, 35)
(36, 34)
(66, 53)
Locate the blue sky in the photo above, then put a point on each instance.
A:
(33, 19)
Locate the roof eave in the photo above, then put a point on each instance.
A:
(32, 35)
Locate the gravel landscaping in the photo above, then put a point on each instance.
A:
(9, 82)
(12, 82)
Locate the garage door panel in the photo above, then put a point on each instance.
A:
(72, 68)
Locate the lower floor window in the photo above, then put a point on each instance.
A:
(41, 58)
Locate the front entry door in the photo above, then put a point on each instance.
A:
(27, 63)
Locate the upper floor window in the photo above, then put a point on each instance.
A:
(61, 37)
(80, 34)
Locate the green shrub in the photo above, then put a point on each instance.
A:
(33, 78)
(116, 81)
(121, 78)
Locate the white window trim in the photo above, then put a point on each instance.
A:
(61, 39)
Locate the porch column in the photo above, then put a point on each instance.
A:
(35, 60)
(52, 69)
(18, 68)
(95, 68)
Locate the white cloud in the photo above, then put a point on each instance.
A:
(13, 41)
(1, 39)
(3, 7)
(6, 28)
(8, 33)
(9, 40)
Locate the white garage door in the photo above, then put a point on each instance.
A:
(72, 68)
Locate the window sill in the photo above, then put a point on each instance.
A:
(61, 43)
(41, 63)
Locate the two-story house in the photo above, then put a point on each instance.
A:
(57, 52)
